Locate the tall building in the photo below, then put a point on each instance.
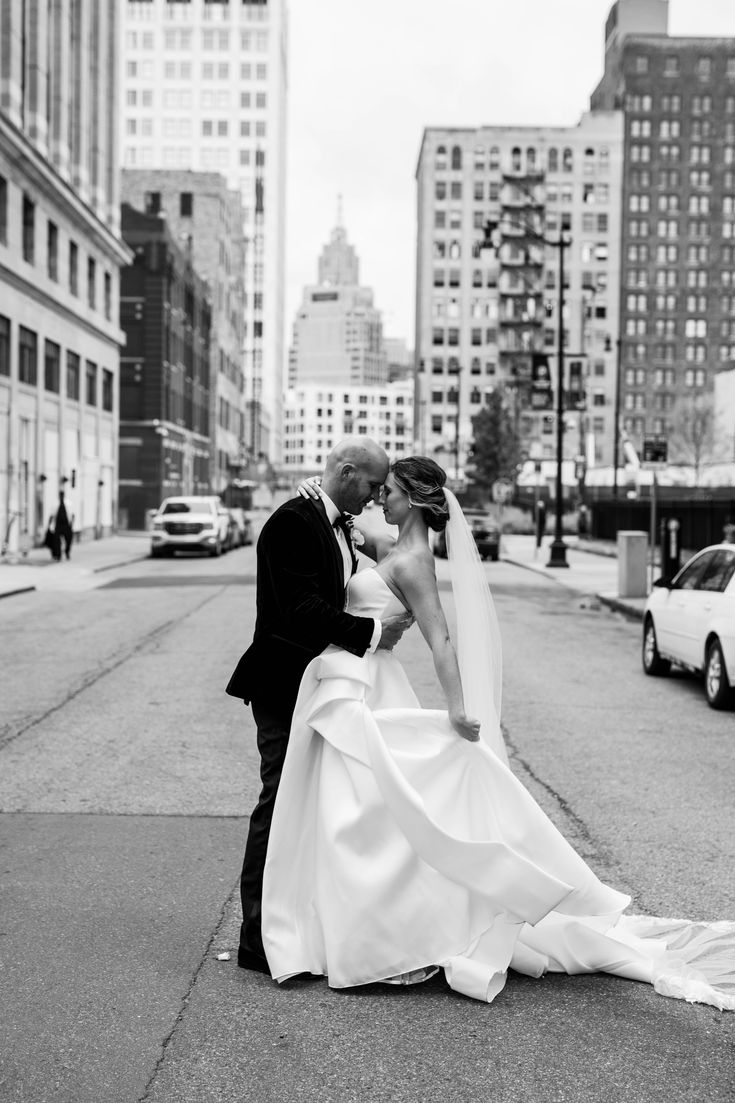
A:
(319, 415)
(204, 88)
(489, 317)
(399, 357)
(60, 255)
(165, 442)
(338, 331)
(677, 318)
(206, 217)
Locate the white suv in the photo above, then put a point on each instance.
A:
(189, 523)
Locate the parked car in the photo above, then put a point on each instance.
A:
(232, 532)
(690, 620)
(485, 530)
(189, 523)
(244, 526)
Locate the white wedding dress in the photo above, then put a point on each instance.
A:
(398, 845)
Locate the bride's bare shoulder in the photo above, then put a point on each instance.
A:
(415, 563)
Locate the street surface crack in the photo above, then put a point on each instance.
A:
(579, 827)
(116, 662)
(187, 995)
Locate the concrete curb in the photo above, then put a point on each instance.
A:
(20, 590)
(617, 604)
(541, 571)
(120, 563)
(620, 605)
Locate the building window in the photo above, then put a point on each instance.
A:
(4, 345)
(456, 158)
(52, 250)
(27, 356)
(3, 211)
(51, 366)
(152, 202)
(91, 282)
(108, 296)
(73, 268)
(72, 376)
(107, 390)
(90, 383)
(29, 229)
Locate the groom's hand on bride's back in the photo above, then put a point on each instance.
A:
(392, 630)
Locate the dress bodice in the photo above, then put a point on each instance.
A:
(369, 595)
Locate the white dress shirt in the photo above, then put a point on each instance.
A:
(332, 514)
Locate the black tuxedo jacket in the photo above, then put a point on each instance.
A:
(299, 603)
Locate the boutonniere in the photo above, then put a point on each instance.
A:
(356, 537)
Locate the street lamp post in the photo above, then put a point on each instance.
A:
(456, 434)
(558, 549)
(616, 417)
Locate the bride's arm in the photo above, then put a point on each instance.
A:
(417, 582)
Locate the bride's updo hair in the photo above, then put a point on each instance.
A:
(423, 481)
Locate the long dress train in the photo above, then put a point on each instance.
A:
(396, 845)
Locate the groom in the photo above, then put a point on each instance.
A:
(305, 560)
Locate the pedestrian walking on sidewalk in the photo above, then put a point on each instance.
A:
(63, 530)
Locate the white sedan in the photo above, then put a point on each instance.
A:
(690, 620)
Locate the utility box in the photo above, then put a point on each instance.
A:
(632, 564)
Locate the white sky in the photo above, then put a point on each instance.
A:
(367, 77)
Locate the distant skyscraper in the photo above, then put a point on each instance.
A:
(60, 256)
(338, 332)
(205, 89)
(400, 358)
(677, 318)
(338, 264)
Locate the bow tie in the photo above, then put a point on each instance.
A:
(342, 521)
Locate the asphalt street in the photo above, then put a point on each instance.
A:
(126, 778)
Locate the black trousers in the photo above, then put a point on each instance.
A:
(273, 728)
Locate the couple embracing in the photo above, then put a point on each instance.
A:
(389, 840)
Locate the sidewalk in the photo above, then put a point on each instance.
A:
(38, 571)
(593, 568)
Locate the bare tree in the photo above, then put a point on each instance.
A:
(696, 435)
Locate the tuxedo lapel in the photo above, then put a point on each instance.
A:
(353, 557)
(337, 561)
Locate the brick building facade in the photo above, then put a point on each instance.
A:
(165, 444)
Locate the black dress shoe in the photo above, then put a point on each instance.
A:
(249, 959)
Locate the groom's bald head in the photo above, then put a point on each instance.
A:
(355, 470)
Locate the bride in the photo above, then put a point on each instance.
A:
(401, 840)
